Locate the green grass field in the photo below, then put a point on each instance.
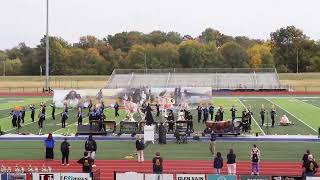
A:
(270, 151)
(302, 111)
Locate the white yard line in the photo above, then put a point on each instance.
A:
(308, 103)
(291, 114)
(252, 118)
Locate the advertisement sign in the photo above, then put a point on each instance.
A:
(129, 175)
(255, 177)
(221, 177)
(312, 178)
(158, 176)
(287, 178)
(45, 176)
(191, 177)
(15, 176)
(73, 176)
(149, 133)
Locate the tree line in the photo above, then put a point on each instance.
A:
(159, 50)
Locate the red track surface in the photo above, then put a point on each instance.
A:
(107, 167)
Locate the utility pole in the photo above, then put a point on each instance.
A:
(47, 48)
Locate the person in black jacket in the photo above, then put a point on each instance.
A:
(33, 109)
(23, 114)
(87, 163)
(162, 134)
(140, 148)
(218, 163)
(170, 120)
(211, 111)
(231, 163)
(65, 147)
(157, 164)
(311, 167)
(53, 105)
(262, 115)
(273, 114)
(233, 112)
(91, 147)
(199, 109)
(116, 109)
(158, 110)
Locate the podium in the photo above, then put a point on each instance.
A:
(149, 133)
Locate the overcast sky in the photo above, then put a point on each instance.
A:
(24, 20)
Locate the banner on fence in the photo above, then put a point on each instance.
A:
(158, 176)
(129, 175)
(72, 176)
(15, 176)
(255, 177)
(221, 177)
(45, 176)
(191, 176)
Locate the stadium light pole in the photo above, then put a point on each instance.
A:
(297, 60)
(47, 48)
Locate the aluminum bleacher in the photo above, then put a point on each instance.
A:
(226, 79)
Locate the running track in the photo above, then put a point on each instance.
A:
(107, 167)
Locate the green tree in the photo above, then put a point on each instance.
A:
(234, 55)
(13, 67)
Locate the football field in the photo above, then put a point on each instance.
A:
(302, 111)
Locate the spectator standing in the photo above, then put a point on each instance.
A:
(218, 163)
(140, 148)
(65, 148)
(87, 163)
(231, 163)
(91, 147)
(212, 145)
(311, 166)
(49, 144)
(255, 160)
(157, 162)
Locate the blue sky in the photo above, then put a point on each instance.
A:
(24, 20)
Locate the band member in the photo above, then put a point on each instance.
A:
(199, 109)
(116, 109)
(250, 114)
(90, 105)
(42, 117)
(162, 134)
(158, 109)
(64, 117)
(205, 114)
(32, 108)
(221, 113)
(102, 107)
(43, 110)
(189, 122)
(14, 118)
(80, 116)
(245, 120)
(23, 114)
(233, 112)
(149, 117)
(211, 111)
(53, 105)
(262, 113)
(217, 117)
(170, 120)
(91, 115)
(273, 114)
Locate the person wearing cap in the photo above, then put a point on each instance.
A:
(65, 148)
(87, 163)
(140, 148)
(157, 162)
(91, 147)
(311, 167)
